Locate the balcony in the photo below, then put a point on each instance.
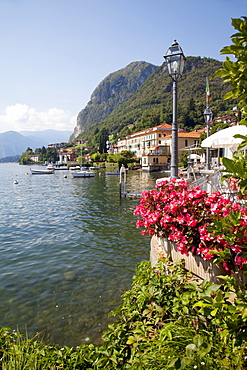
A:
(159, 150)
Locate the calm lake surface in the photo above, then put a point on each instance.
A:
(68, 251)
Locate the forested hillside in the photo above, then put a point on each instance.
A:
(151, 104)
(114, 90)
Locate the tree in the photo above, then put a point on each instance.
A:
(95, 157)
(183, 159)
(104, 135)
(38, 151)
(25, 159)
(235, 72)
(51, 155)
(81, 159)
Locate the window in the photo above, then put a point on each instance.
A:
(186, 142)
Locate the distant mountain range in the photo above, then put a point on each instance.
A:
(14, 143)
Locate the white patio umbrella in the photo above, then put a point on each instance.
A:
(194, 156)
(224, 138)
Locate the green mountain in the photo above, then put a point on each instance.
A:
(151, 103)
(115, 89)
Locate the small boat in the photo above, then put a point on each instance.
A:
(35, 171)
(75, 168)
(112, 172)
(84, 172)
(50, 167)
(59, 166)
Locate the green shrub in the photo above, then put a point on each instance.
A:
(168, 320)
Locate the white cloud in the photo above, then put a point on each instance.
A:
(21, 117)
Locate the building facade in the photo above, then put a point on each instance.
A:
(153, 145)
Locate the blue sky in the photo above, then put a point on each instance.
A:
(54, 53)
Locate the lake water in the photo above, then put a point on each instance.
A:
(68, 251)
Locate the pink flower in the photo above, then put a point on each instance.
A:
(184, 215)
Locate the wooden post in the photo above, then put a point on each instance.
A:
(122, 170)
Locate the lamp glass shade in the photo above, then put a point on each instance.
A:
(175, 61)
(208, 115)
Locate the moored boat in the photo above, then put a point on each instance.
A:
(50, 167)
(83, 172)
(112, 172)
(35, 171)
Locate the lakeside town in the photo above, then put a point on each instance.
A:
(150, 148)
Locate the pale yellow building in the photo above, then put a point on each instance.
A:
(185, 139)
(147, 145)
(153, 145)
(141, 142)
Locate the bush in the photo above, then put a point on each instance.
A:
(167, 321)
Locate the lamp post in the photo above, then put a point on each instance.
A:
(175, 64)
(218, 156)
(208, 115)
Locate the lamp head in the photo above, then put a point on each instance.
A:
(208, 115)
(175, 61)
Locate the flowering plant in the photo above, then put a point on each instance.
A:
(206, 225)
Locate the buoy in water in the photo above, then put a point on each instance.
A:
(65, 176)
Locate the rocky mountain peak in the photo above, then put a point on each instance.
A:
(114, 90)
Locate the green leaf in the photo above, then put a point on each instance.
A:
(229, 164)
(173, 362)
(229, 95)
(185, 309)
(214, 312)
(244, 314)
(190, 349)
(205, 348)
(131, 340)
(198, 340)
(219, 296)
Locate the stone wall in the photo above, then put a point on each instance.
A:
(204, 269)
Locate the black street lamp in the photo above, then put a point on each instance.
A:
(208, 115)
(175, 64)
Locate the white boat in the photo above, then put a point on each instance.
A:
(61, 166)
(82, 173)
(74, 168)
(35, 171)
(50, 167)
